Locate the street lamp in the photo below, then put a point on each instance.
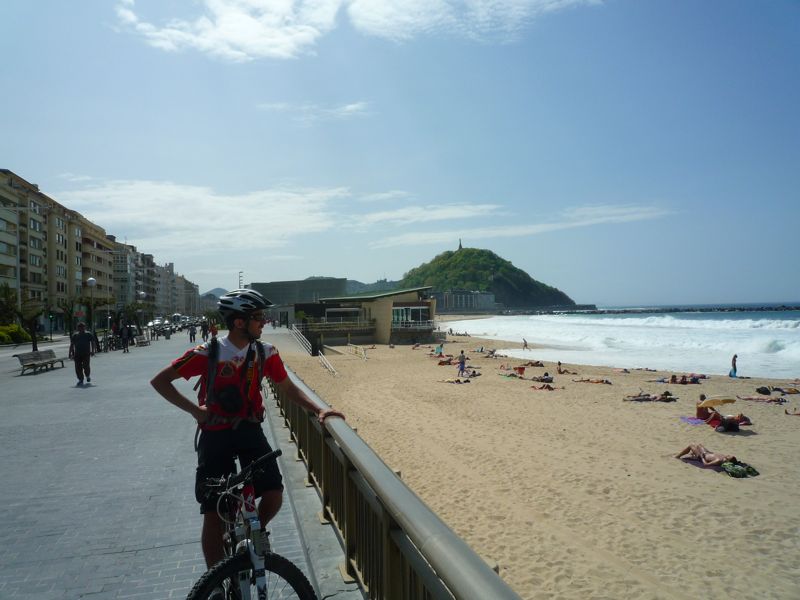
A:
(91, 282)
(140, 311)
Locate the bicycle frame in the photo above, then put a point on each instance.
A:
(244, 531)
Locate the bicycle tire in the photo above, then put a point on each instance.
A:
(284, 580)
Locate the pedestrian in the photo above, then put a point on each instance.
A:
(81, 349)
(733, 367)
(524, 344)
(229, 416)
(462, 364)
(192, 333)
(126, 338)
(204, 330)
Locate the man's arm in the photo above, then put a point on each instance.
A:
(162, 383)
(288, 389)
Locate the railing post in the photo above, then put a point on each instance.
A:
(350, 524)
(392, 560)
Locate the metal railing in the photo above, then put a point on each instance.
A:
(301, 339)
(394, 545)
(407, 325)
(325, 363)
(357, 350)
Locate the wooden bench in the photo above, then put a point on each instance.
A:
(43, 359)
(141, 340)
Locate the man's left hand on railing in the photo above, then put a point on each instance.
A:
(329, 412)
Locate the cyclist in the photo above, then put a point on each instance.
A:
(230, 416)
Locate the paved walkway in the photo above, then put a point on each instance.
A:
(96, 485)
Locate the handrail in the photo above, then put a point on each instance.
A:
(358, 350)
(327, 364)
(301, 339)
(394, 544)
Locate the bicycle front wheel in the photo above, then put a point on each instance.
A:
(284, 580)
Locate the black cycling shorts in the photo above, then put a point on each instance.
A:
(216, 452)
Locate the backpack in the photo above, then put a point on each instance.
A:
(228, 397)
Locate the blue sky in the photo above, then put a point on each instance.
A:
(625, 151)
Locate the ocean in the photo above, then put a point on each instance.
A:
(767, 342)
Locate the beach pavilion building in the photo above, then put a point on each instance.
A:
(397, 317)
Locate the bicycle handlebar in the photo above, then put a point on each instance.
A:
(238, 478)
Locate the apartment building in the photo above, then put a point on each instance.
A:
(49, 253)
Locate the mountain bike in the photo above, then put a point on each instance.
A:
(250, 570)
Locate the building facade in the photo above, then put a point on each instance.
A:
(50, 253)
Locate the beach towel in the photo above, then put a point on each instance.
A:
(692, 420)
(739, 470)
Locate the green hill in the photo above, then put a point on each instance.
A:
(474, 269)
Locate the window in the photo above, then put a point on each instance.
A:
(61, 287)
(35, 260)
(60, 224)
(61, 240)
(35, 207)
(8, 249)
(61, 271)
(78, 261)
(35, 243)
(35, 225)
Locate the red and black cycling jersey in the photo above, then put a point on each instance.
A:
(232, 371)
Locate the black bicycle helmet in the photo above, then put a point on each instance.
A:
(240, 302)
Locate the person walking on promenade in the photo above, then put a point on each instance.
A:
(126, 338)
(229, 415)
(204, 330)
(81, 349)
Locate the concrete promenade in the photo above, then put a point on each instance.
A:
(97, 485)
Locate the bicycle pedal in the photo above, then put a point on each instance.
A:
(261, 542)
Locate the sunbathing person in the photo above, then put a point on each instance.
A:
(547, 386)
(605, 381)
(701, 412)
(454, 381)
(724, 423)
(643, 397)
(561, 371)
(659, 380)
(767, 399)
(533, 363)
(546, 378)
(788, 390)
(699, 453)
(796, 413)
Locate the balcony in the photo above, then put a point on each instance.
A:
(412, 326)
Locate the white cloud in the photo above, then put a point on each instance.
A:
(165, 217)
(409, 215)
(244, 30)
(311, 113)
(390, 196)
(74, 177)
(578, 217)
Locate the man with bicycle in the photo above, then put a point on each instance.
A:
(230, 407)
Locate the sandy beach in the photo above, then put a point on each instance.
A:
(576, 493)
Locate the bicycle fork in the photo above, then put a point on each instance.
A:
(256, 545)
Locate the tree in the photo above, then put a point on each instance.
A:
(8, 305)
(27, 314)
(67, 305)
